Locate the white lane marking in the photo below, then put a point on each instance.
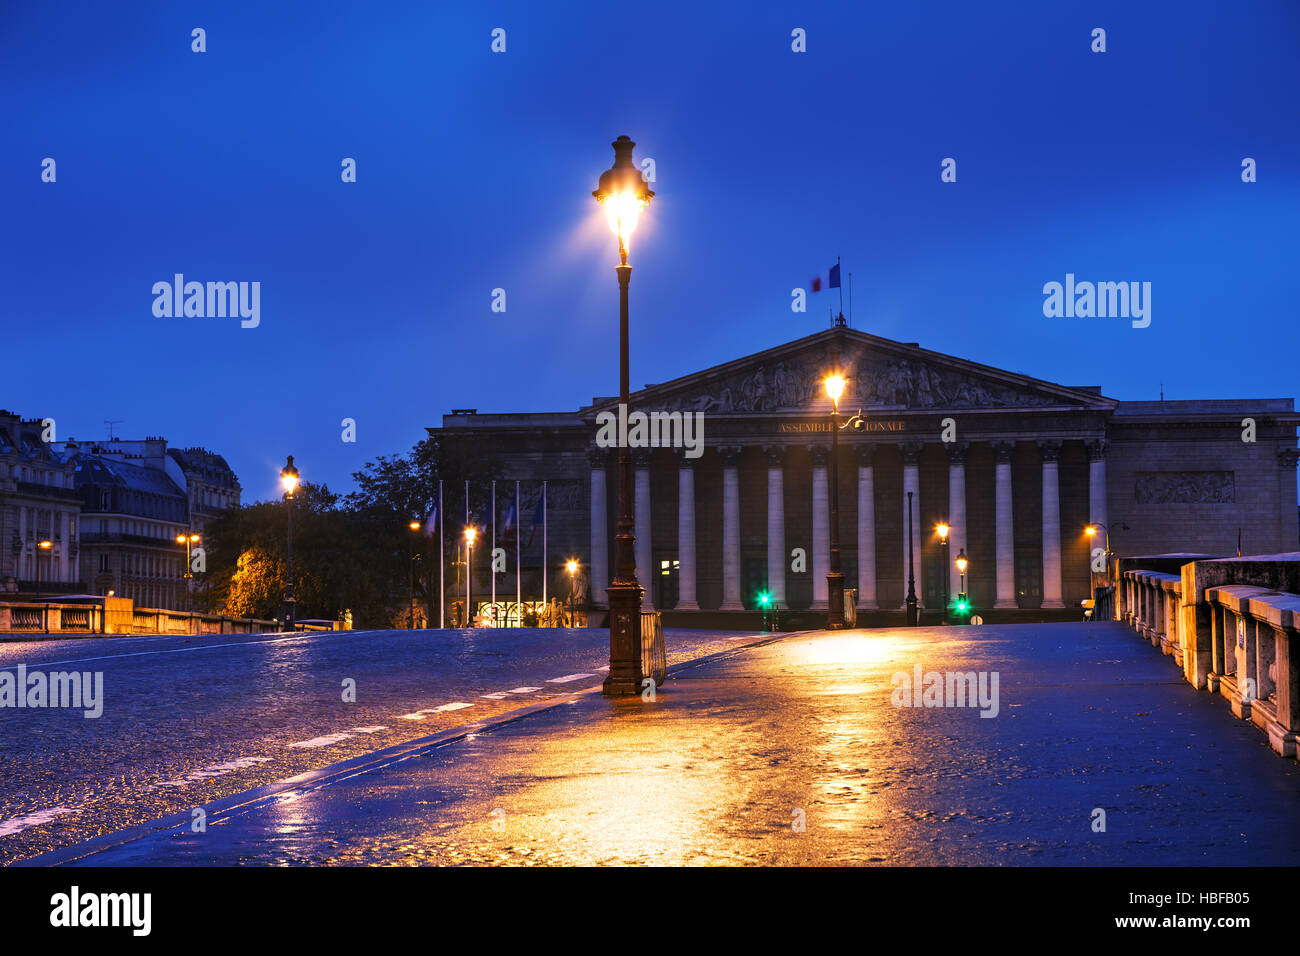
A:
(321, 741)
(411, 717)
(216, 770)
(604, 667)
(27, 820)
(494, 696)
(524, 690)
(567, 678)
(456, 706)
(369, 730)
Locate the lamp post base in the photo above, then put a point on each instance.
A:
(834, 601)
(625, 675)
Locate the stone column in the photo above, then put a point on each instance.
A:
(956, 512)
(686, 596)
(821, 555)
(866, 529)
(731, 530)
(599, 532)
(912, 483)
(776, 524)
(1004, 525)
(1097, 505)
(1051, 451)
(645, 570)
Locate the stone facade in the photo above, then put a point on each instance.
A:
(38, 502)
(1018, 467)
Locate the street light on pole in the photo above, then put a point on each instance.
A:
(942, 530)
(470, 534)
(963, 603)
(289, 481)
(189, 540)
(911, 577)
(42, 547)
(572, 567)
(623, 193)
(410, 568)
(834, 576)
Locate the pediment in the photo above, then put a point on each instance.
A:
(882, 375)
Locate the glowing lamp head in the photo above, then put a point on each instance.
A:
(45, 545)
(835, 387)
(414, 526)
(1090, 531)
(470, 534)
(289, 477)
(571, 566)
(943, 530)
(194, 539)
(765, 599)
(962, 562)
(961, 605)
(181, 539)
(622, 190)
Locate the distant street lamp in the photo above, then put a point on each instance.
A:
(189, 540)
(834, 576)
(410, 567)
(289, 481)
(470, 534)
(572, 567)
(963, 604)
(911, 576)
(942, 531)
(623, 193)
(42, 547)
(1091, 531)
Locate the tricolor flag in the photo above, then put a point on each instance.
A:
(835, 277)
(539, 516)
(512, 514)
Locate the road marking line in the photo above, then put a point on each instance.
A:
(494, 696)
(28, 820)
(321, 741)
(456, 706)
(416, 716)
(369, 730)
(566, 678)
(603, 667)
(524, 690)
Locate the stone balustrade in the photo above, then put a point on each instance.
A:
(94, 620)
(1232, 625)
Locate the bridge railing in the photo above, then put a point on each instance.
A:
(118, 616)
(1233, 626)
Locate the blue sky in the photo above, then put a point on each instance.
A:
(475, 171)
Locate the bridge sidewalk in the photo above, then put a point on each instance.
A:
(793, 752)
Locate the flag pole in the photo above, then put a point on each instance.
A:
(442, 562)
(837, 263)
(492, 556)
(519, 593)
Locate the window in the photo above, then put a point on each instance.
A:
(103, 564)
(665, 591)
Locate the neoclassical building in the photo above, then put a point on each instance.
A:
(1016, 466)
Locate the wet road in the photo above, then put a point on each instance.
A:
(794, 752)
(187, 720)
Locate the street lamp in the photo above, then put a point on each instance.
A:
(470, 534)
(410, 567)
(44, 546)
(623, 193)
(942, 531)
(963, 605)
(572, 567)
(189, 540)
(834, 576)
(1091, 531)
(289, 481)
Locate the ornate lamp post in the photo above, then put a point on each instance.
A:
(189, 540)
(963, 605)
(470, 534)
(834, 576)
(942, 530)
(623, 193)
(289, 481)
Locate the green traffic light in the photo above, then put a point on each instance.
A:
(764, 598)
